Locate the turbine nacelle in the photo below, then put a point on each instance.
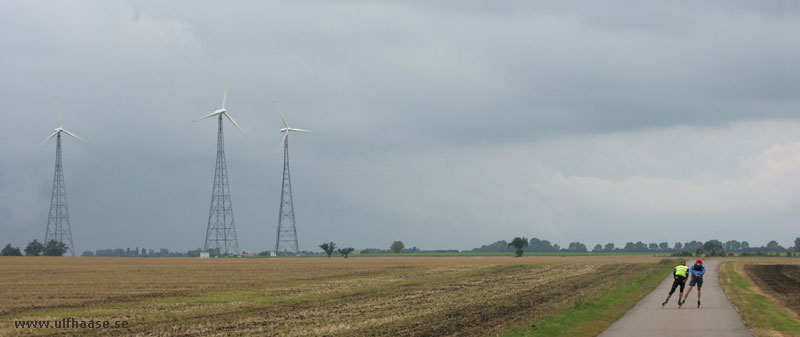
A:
(286, 129)
(223, 111)
(60, 129)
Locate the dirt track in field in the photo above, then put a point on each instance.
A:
(782, 281)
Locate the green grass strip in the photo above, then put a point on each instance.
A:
(758, 312)
(592, 315)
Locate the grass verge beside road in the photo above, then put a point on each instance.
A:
(592, 315)
(759, 312)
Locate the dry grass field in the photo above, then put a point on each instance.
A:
(404, 296)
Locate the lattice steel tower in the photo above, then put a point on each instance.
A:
(221, 230)
(58, 227)
(286, 240)
(287, 232)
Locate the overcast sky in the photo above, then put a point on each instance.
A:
(442, 124)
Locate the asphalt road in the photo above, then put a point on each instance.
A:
(715, 317)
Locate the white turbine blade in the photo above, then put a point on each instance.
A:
(207, 116)
(299, 130)
(58, 111)
(234, 122)
(76, 136)
(225, 95)
(48, 138)
(282, 141)
(282, 116)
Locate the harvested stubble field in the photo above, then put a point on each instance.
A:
(459, 296)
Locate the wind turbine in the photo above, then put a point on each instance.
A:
(221, 230)
(58, 226)
(287, 232)
(222, 111)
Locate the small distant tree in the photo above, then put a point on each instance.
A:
(10, 251)
(346, 251)
(34, 248)
(732, 245)
(55, 248)
(692, 245)
(577, 247)
(329, 248)
(534, 244)
(713, 248)
(518, 243)
(773, 246)
(664, 246)
(397, 247)
(609, 247)
(699, 252)
(629, 247)
(87, 253)
(797, 244)
(597, 248)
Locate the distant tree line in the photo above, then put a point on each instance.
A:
(710, 247)
(127, 252)
(399, 247)
(36, 248)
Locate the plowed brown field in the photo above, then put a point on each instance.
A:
(435, 296)
(782, 281)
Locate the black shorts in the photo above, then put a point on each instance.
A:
(698, 281)
(681, 281)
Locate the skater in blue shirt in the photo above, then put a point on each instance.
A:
(697, 271)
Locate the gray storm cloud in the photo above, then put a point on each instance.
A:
(444, 125)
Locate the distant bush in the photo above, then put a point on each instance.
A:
(759, 254)
(11, 251)
(55, 248)
(34, 248)
(374, 251)
(397, 247)
(521, 242)
(346, 251)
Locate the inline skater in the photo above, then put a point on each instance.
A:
(697, 271)
(679, 273)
